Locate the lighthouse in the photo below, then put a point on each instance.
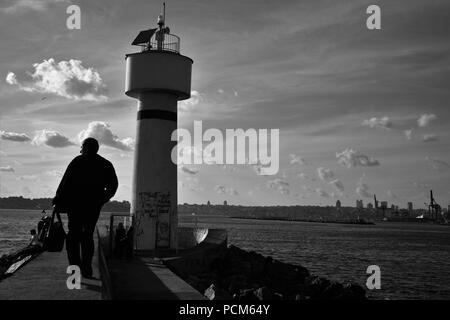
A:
(158, 77)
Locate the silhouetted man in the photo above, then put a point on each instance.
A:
(88, 183)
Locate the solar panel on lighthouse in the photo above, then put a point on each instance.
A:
(144, 37)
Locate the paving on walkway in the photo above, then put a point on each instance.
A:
(45, 277)
(146, 278)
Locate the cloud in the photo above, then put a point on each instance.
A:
(295, 159)
(102, 132)
(69, 79)
(425, 119)
(7, 169)
(11, 78)
(223, 190)
(195, 99)
(408, 134)
(429, 138)
(337, 185)
(28, 177)
(52, 139)
(383, 123)
(303, 176)
(325, 174)
(25, 5)
(54, 173)
(13, 136)
(436, 164)
(188, 170)
(391, 194)
(362, 189)
(26, 191)
(322, 193)
(278, 185)
(420, 185)
(191, 183)
(350, 158)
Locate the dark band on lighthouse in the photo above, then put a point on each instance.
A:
(157, 114)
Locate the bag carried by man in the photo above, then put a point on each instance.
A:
(54, 240)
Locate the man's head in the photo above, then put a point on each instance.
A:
(90, 146)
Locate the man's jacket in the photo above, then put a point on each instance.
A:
(88, 183)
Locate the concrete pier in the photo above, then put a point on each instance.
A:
(44, 278)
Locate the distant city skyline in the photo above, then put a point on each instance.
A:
(360, 112)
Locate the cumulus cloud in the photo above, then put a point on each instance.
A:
(408, 134)
(7, 169)
(425, 119)
(188, 170)
(13, 136)
(69, 79)
(11, 78)
(322, 193)
(224, 190)
(383, 123)
(438, 165)
(278, 185)
(324, 173)
(102, 132)
(25, 5)
(195, 99)
(295, 159)
(350, 158)
(337, 185)
(52, 139)
(429, 138)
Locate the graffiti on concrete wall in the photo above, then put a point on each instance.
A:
(155, 205)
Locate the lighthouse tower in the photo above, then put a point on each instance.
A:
(158, 76)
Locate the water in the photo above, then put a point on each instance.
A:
(414, 258)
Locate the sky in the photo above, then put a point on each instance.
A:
(359, 111)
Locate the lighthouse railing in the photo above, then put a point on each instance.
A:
(170, 42)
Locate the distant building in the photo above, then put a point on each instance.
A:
(208, 203)
(383, 204)
(359, 204)
(338, 204)
(410, 206)
(225, 203)
(370, 206)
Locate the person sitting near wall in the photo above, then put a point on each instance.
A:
(34, 240)
(119, 241)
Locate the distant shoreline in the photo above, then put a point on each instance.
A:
(306, 220)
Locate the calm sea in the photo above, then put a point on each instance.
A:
(414, 258)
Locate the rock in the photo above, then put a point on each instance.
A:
(332, 291)
(352, 291)
(247, 295)
(315, 286)
(214, 293)
(263, 293)
(277, 296)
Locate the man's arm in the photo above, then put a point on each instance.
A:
(63, 185)
(112, 183)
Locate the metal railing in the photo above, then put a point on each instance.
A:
(168, 42)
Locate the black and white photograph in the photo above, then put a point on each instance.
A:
(231, 156)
